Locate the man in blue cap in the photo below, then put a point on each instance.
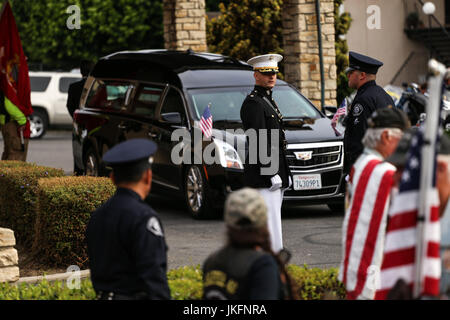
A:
(126, 245)
(361, 75)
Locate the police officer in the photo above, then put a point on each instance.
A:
(361, 75)
(76, 88)
(126, 246)
(260, 112)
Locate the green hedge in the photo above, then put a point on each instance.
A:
(64, 209)
(18, 198)
(185, 284)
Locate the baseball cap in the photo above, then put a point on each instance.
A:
(389, 117)
(245, 208)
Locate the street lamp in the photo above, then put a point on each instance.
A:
(429, 8)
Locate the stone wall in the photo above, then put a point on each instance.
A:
(301, 48)
(9, 269)
(185, 25)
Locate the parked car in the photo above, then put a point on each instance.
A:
(152, 93)
(49, 98)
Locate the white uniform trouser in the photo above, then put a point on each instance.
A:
(274, 200)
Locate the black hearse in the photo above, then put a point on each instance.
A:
(153, 93)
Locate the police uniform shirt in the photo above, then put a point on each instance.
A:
(126, 247)
(259, 111)
(369, 97)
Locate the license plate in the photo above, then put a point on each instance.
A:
(307, 182)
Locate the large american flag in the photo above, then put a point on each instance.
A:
(206, 123)
(364, 225)
(401, 235)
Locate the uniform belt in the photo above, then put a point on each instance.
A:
(118, 296)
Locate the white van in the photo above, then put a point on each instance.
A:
(49, 98)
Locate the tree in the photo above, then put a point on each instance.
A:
(246, 28)
(107, 26)
(341, 25)
(213, 5)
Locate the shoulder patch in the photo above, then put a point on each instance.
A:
(154, 227)
(357, 109)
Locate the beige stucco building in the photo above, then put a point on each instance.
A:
(379, 29)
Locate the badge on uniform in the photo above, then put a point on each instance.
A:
(357, 109)
(154, 227)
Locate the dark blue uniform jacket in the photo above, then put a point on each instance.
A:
(370, 97)
(126, 247)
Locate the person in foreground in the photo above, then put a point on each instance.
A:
(246, 268)
(368, 193)
(126, 245)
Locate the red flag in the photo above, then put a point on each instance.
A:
(14, 78)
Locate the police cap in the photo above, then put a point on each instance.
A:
(363, 63)
(389, 118)
(130, 152)
(245, 208)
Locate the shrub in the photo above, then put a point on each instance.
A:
(45, 290)
(14, 164)
(18, 198)
(185, 284)
(316, 283)
(65, 207)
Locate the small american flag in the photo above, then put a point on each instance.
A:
(401, 233)
(206, 123)
(342, 110)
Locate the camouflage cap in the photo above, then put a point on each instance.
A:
(245, 208)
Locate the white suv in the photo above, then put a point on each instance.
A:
(49, 98)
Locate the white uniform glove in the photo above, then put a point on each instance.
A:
(276, 183)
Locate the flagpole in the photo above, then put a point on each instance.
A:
(437, 71)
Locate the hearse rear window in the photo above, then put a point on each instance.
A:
(108, 95)
(146, 100)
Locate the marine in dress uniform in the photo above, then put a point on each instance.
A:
(126, 245)
(260, 111)
(369, 97)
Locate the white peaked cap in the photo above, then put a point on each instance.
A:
(266, 62)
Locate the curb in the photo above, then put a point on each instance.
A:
(54, 277)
